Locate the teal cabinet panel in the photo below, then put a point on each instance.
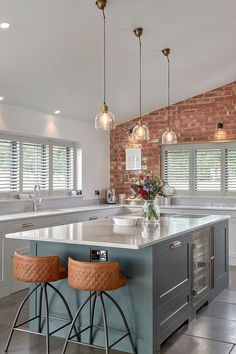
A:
(172, 268)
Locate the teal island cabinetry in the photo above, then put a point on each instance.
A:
(172, 269)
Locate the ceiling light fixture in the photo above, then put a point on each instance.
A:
(57, 112)
(169, 136)
(104, 120)
(4, 25)
(1, 98)
(140, 131)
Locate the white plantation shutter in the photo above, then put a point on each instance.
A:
(35, 161)
(176, 169)
(208, 170)
(9, 166)
(25, 161)
(230, 169)
(63, 168)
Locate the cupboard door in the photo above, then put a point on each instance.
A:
(172, 268)
(221, 258)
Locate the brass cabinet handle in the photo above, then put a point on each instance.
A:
(175, 244)
(23, 226)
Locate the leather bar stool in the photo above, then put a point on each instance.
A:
(42, 271)
(97, 278)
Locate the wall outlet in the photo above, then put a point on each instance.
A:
(79, 192)
(97, 192)
(98, 255)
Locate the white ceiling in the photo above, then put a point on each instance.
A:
(51, 57)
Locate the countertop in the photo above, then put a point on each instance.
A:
(52, 212)
(199, 207)
(104, 233)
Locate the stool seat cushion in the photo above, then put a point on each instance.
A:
(31, 269)
(93, 276)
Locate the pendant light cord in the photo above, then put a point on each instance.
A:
(168, 89)
(140, 80)
(104, 56)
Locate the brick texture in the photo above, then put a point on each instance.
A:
(194, 120)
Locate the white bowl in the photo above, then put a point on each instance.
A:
(124, 221)
(137, 217)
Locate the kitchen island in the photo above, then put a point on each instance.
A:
(173, 269)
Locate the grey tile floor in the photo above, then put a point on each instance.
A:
(212, 332)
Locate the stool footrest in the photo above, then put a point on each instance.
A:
(78, 333)
(23, 323)
(118, 340)
(58, 329)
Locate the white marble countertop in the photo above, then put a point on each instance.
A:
(104, 233)
(52, 212)
(199, 207)
(9, 217)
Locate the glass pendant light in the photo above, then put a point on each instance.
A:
(140, 131)
(104, 120)
(169, 136)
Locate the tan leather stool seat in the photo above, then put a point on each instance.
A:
(97, 278)
(35, 269)
(42, 271)
(93, 276)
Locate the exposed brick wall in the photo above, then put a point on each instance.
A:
(193, 120)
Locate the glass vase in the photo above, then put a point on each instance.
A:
(151, 212)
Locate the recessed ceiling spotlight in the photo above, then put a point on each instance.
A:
(4, 25)
(1, 98)
(57, 112)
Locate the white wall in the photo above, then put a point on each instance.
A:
(95, 145)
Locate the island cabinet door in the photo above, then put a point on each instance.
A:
(172, 262)
(172, 284)
(220, 259)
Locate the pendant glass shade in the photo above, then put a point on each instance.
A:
(169, 137)
(105, 120)
(140, 132)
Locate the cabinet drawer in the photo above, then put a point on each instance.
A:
(172, 268)
(173, 313)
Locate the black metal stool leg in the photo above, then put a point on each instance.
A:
(17, 316)
(40, 309)
(92, 320)
(65, 304)
(105, 323)
(73, 322)
(124, 320)
(47, 317)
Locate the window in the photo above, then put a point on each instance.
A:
(176, 169)
(230, 169)
(26, 161)
(35, 166)
(9, 166)
(200, 168)
(208, 170)
(63, 168)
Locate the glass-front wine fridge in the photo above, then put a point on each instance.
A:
(202, 247)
